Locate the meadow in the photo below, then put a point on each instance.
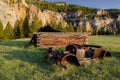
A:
(21, 61)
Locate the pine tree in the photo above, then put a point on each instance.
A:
(26, 27)
(84, 29)
(94, 32)
(18, 29)
(8, 31)
(60, 27)
(28, 30)
(36, 24)
(70, 28)
(79, 29)
(54, 26)
(1, 31)
(39, 25)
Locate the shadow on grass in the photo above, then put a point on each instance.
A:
(27, 55)
(36, 57)
(116, 54)
(16, 43)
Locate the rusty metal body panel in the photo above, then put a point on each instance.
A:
(77, 54)
(87, 52)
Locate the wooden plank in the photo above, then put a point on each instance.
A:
(60, 39)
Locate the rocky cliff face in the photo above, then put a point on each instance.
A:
(46, 16)
(95, 23)
(7, 14)
(17, 11)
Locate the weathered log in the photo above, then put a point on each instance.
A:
(59, 39)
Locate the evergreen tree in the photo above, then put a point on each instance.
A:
(18, 29)
(54, 26)
(18, 1)
(70, 28)
(8, 31)
(36, 24)
(60, 27)
(79, 29)
(118, 27)
(94, 32)
(100, 32)
(84, 29)
(26, 27)
(1, 31)
(107, 32)
(28, 30)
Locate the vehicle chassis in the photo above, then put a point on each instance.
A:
(77, 54)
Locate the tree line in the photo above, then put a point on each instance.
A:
(44, 5)
(21, 29)
(24, 29)
(86, 11)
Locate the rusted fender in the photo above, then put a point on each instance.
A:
(105, 54)
(68, 59)
(101, 53)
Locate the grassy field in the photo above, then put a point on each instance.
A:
(20, 61)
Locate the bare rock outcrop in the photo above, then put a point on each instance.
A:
(19, 11)
(95, 23)
(46, 16)
(7, 14)
(101, 12)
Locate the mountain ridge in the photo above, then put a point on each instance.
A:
(80, 17)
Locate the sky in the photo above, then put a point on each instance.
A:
(103, 4)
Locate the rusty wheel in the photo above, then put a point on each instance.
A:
(69, 59)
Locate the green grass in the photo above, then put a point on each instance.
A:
(20, 61)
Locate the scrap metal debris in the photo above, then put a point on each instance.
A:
(76, 54)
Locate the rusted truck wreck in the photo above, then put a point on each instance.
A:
(76, 54)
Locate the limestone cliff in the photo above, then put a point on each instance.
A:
(95, 23)
(19, 10)
(7, 14)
